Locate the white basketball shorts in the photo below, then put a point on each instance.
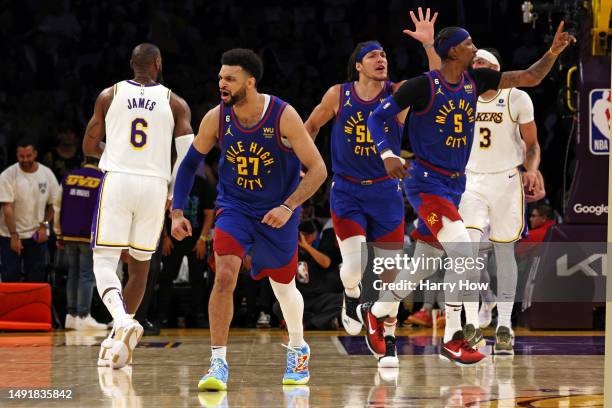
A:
(130, 212)
(495, 199)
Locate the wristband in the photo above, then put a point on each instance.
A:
(286, 207)
(388, 154)
(551, 51)
(426, 46)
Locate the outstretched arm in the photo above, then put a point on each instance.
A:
(533, 75)
(292, 127)
(323, 112)
(96, 131)
(424, 33)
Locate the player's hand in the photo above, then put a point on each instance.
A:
(167, 246)
(562, 40)
(423, 27)
(16, 245)
(181, 228)
(276, 217)
(395, 168)
(200, 249)
(530, 181)
(539, 191)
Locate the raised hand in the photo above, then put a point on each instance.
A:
(423, 26)
(562, 40)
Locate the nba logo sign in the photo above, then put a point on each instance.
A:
(599, 121)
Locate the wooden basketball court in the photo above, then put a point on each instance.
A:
(551, 369)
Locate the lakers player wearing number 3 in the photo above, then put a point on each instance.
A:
(494, 193)
(139, 118)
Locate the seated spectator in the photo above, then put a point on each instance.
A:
(315, 279)
(74, 209)
(540, 221)
(27, 191)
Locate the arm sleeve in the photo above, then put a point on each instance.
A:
(185, 177)
(521, 106)
(414, 94)
(485, 78)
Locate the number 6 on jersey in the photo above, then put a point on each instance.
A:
(138, 137)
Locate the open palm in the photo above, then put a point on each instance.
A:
(423, 26)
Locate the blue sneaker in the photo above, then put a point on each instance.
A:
(297, 365)
(216, 377)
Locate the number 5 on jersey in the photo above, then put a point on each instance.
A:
(138, 137)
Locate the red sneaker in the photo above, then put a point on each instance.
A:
(459, 351)
(421, 318)
(375, 331)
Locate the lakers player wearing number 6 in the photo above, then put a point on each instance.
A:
(139, 118)
(263, 145)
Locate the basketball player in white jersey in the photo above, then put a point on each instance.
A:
(495, 186)
(139, 117)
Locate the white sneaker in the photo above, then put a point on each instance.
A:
(264, 320)
(105, 349)
(485, 314)
(70, 323)
(128, 333)
(88, 323)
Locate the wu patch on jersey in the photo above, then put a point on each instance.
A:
(599, 117)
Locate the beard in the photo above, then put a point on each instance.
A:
(237, 97)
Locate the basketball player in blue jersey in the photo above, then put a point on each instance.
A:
(263, 145)
(360, 179)
(441, 127)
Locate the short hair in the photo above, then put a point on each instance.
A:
(545, 210)
(247, 59)
(444, 35)
(143, 55)
(351, 72)
(496, 54)
(307, 227)
(25, 142)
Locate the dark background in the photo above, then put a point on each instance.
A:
(58, 56)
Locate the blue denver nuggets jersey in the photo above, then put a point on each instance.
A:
(442, 133)
(256, 171)
(354, 153)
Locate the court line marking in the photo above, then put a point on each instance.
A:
(336, 342)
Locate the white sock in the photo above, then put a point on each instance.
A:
(114, 303)
(471, 313)
(351, 269)
(292, 306)
(453, 320)
(382, 309)
(390, 328)
(218, 352)
(353, 292)
(504, 314)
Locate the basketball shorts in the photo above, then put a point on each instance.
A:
(375, 211)
(432, 195)
(130, 212)
(495, 199)
(273, 250)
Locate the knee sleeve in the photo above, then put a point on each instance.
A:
(105, 262)
(351, 270)
(291, 304)
(140, 255)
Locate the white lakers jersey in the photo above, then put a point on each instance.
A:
(139, 130)
(497, 139)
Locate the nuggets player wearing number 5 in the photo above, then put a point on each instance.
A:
(441, 129)
(258, 201)
(139, 118)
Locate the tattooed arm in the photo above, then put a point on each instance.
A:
(96, 127)
(533, 75)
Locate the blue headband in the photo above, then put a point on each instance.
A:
(457, 38)
(370, 47)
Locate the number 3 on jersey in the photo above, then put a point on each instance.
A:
(138, 137)
(485, 138)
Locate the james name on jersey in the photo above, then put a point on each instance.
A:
(141, 103)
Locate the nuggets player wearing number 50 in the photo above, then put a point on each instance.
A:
(263, 144)
(139, 117)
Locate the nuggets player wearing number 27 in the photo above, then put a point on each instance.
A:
(139, 118)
